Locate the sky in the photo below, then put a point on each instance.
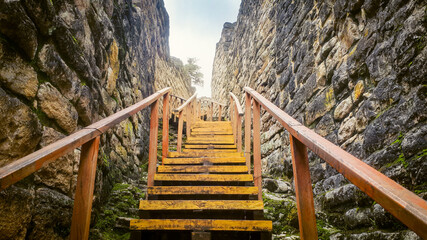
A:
(195, 28)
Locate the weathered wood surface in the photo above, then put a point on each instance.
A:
(204, 177)
(152, 149)
(206, 146)
(213, 160)
(201, 224)
(80, 220)
(202, 169)
(201, 205)
(165, 119)
(205, 190)
(204, 154)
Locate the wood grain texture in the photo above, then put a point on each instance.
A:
(201, 205)
(165, 127)
(214, 160)
(257, 147)
(80, 220)
(201, 224)
(152, 149)
(204, 154)
(202, 169)
(205, 190)
(204, 177)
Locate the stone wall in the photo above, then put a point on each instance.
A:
(65, 64)
(354, 72)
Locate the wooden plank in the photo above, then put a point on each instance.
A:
(257, 147)
(197, 150)
(248, 130)
(222, 160)
(165, 119)
(204, 177)
(80, 220)
(201, 224)
(303, 190)
(205, 146)
(201, 205)
(201, 169)
(210, 141)
(180, 127)
(152, 148)
(202, 190)
(204, 154)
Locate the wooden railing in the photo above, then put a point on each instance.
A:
(236, 114)
(88, 138)
(410, 209)
(189, 110)
(210, 111)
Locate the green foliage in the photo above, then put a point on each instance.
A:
(283, 213)
(402, 160)
(324, 230)
(192, 70)
(399, 139)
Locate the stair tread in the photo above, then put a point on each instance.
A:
(204, 154)
(204, 177)
(201, 224)
(197, 151)
(211, 169)
(203, 160)
(206, 146)
(190, 190)
(201, 205)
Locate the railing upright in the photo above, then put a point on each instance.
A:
(219, 112)
(165, 133)
(152, 148)
(185, 109)
(248, 131)
(83, 198)
(257, 147)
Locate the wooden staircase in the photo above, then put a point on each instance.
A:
(203, 192)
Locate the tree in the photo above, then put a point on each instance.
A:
(193, 70)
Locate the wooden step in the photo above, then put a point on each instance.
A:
(197, 150)
(210, 141)
(201, 225)
(206, 146)
(222, 160)
(202, 190)
(204, 154)
(201, 169)
(160, 205)
(204, 177)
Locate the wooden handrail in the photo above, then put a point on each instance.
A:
(189, 108)
(180, 108)
(88, 138)
(406, 206)
(237, 103)
(236, 120)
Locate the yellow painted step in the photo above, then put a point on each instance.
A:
(205, 146)
(222, 160)
(202, 190)
(204, 177)
(196, 150)
(204, 154)
(201, 225)
(201, 205)
(210, 141)
(201, 169)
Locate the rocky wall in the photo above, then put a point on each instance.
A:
(355, 73)
(65, 64)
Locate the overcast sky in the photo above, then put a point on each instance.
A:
(195, 28)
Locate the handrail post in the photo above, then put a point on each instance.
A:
(199, 105)
(188, 117)
(303, 190)
(180, 129)
(236, 120)
(152, 150)
(80, 221)
(257, 148)
(239, 133)
(220, 113)
(165, 133)
(248, 131)
(194, 115)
